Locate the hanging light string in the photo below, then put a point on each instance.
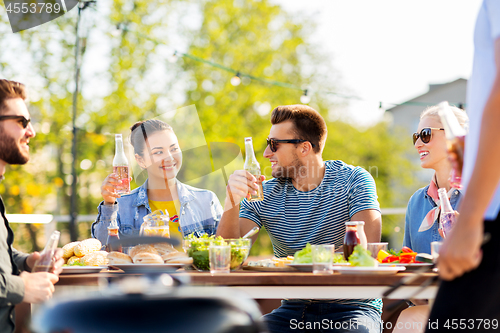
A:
(305, 98)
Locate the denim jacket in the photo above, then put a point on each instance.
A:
(419, 205)
(200, 212)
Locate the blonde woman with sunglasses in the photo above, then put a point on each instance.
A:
(422, 213)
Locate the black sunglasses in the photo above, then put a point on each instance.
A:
(22, 119)
(425, 134)
(273, 143)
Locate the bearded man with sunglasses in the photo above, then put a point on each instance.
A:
(308, 201)
(16, 286)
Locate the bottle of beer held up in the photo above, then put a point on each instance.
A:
(120, 166)
(455, 139)
(252, 166)
(46, 261)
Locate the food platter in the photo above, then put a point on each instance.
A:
(82, 269)
(369, 270)
(309, 267)
(145, 268)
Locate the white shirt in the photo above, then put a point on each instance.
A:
(479, 87)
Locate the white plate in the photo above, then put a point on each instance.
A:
(269, 269)
(410, 267)
(309, 267)
(368, 270)
(145, 268)
(82, 269)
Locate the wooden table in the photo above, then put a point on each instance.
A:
(279, 285)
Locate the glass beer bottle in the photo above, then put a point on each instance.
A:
(252, 166)
(46, 261)
(120, 166)
(455, 138)
(447, 216)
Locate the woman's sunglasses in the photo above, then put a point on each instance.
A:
(22, 119)
(273, 143)
(425, 134)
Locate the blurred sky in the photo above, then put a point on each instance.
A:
(390, 50)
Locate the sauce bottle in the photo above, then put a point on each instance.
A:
(354, 235)
(113, 236)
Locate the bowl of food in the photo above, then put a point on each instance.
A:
(197, 248)
(240, 248)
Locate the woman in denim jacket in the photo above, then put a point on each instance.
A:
(421, 226)
(191, 210)
(422, 213)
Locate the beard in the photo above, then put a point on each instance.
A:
(10, 151)
(290, 171)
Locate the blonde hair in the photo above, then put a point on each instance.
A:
(461, 115)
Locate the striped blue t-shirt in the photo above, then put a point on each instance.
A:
(293, 218)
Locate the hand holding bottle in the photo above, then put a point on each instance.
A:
(56, 267)
(110, 187)
(242, 184)
(38, 287)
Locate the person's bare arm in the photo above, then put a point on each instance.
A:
(461, 251)
(373, 224)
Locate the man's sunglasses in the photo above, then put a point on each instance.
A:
(22, 119)
(273, 143)
(425, 134)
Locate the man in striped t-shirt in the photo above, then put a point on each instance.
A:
(308, 200)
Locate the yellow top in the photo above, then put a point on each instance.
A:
(172, 207)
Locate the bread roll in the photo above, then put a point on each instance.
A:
(69, 249)
(142, 248)
(147, 258)
(118, 258)
(164, 248)
(180, 260)
(175, 254)
(97, 258)
(87, 246)
(73, 260)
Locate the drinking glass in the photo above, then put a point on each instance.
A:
(374, 248)
(435, 247)
(322, 258)
(219, 258)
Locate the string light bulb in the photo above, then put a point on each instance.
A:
(235, 80)
(304, 99)
(173, 57)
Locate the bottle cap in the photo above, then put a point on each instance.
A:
(350, 223)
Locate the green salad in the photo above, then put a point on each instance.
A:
(362, 257)
(197, 248)
(304, 256)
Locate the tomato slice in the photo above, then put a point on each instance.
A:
(406, 249)
(407, 258)
(390, 259)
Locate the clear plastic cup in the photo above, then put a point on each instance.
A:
(322, 258)
(219, 258)
(435, 247)
(375, 248)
